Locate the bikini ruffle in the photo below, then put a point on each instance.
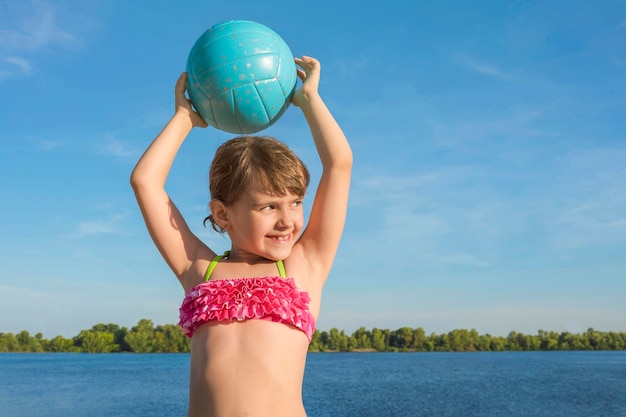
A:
(271, 298)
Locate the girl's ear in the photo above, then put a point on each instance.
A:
(220, 214)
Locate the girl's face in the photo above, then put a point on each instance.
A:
(265, 225)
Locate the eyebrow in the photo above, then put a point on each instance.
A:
(271, 200)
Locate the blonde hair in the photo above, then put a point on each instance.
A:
(254, 162)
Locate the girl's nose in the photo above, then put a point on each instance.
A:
(284, 220)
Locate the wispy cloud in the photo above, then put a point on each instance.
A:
(48, 145)
(11, 291)
(591, 210)
(27, 27)
(95, 228)
(100, 227)
(620, 62)
(518, 125)
(22, 64)
(117, 148)
(31, 26)
(473, 65)
(560, 203)
(347, 67)
(465, 260)
(394, 184)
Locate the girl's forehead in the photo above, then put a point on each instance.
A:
(262, 194)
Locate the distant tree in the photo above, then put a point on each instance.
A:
(616, 341)
(363, 338)
(316, 345)
(90, 341)
(474, 339)
(141, 337)
(594, 338)
(9, 343)
(338, 340)
(512, 342)
(484, 343)
(170, 338)
(524, 342)
(378, 340)
(109, 328)
(387, 336)
(144, 337)
(460, 340)
(119, 335)
(28, 343)
(324, 340)
(442, 343)
(61, 344)
(496, 344)
(429, 344)
(419, 339)
(401, 338)
(455, 343)
(548, 340)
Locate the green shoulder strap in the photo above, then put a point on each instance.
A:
(281, 269)
(213, 263)
(209, 270)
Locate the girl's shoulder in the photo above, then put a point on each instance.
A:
(199, 265)
(302, 268)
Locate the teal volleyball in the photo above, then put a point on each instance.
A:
(240, 76)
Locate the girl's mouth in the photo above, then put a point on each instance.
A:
(282, 238)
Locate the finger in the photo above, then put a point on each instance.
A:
(301, 74)
(299, 63)
(303, 62)
(313, 63)
(309, 60)
(181, 83)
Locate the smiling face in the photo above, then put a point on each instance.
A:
(262, 224)
(256, 170)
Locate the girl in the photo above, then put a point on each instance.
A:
(251, 312)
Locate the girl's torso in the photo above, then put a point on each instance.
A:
(252, 368)
(273, 298)
(248, 367)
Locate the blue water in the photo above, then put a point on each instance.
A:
(336, 385)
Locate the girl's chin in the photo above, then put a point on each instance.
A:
(278, 253)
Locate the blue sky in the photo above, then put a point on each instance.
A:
(489, 138)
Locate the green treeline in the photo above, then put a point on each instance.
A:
(169, 338)
(103, 338)
(407, 339)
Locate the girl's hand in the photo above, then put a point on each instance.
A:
(309, 73)
(183, 104)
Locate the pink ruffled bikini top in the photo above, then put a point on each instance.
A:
(274, 298)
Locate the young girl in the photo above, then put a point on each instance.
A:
(251, 312)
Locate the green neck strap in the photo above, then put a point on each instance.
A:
(209, 270)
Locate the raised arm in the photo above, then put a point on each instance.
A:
(168, 229)
(328, 213)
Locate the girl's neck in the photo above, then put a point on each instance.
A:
(242, 256)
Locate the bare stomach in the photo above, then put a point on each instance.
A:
(252, 368)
